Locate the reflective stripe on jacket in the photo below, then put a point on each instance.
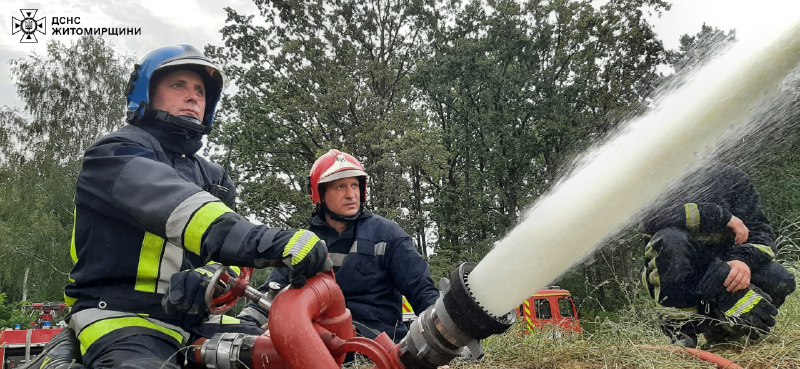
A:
(140, 215)
(703, 205)
(375, 263)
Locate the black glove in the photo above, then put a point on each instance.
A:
(307, 255)
(749, 311)
(185, 296)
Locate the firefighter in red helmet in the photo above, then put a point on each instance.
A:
(375, 261)
(332, 167)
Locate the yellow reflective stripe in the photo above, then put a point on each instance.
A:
(655, 280)
(235, 269)
(73, 252)
(225, 319)
(644, 276)
(202, 219)
(652, 277)
(67, 299)
(204, 272)
(149, 263)
(300, 245)
(765, 249)
(89, 335)
(745, 304)
(692, 216)
(680, 314)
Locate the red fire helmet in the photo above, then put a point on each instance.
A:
(336, 165)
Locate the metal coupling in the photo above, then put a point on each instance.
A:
(226, 350)
(454, 321)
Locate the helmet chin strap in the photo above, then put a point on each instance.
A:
(185, 124)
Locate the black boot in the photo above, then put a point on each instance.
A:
(62, 352)
(680, 333)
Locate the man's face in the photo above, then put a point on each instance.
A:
(181, 93)
(343, 197)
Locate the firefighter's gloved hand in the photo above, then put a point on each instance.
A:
(185, 296)
(747, 312)
(306, 255)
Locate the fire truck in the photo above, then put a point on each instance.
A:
(18, 345)
(551, 309)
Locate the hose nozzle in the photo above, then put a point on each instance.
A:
(454, 321)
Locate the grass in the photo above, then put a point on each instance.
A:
(625, 340)
(621, 342)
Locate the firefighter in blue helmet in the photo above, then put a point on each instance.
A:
(152, 216)
(710, 260)
(374, 259)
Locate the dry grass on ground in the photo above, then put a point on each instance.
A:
(622, 343)
(626, 341)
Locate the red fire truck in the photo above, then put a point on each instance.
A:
(18, 345)
(550, 308)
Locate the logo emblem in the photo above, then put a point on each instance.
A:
(28, 25)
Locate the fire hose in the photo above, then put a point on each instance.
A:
(311, 327)
(711, 358)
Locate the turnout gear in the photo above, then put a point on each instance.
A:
(62, 352)
(160, 61)
(185, 296)
(142, 215)
(146, 208)
(749, 310)
(375, 263)
(306, 255)
(705, 206)
(332, 166)
(688, 234)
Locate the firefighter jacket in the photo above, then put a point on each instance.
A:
(375, 263)
(703, 205)
(143, 212)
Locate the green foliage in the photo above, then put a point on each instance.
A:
(71, 96)
(698, 49)
(517, 88)
(462, 115)
(12, 314)
(319, 75)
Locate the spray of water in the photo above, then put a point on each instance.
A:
(633, 169)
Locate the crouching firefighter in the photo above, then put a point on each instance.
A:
(152, 217)
(710, 260)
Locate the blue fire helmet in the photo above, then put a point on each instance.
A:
(169, 58)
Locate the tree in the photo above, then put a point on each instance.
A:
(698, 49)
(517, 88)
(71, 96)
(322, 75)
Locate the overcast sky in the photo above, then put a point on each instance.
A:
(198, 22)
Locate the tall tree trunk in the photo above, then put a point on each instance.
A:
(25, 284)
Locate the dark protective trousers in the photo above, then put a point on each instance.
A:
(146, 351)
(140, 351)
(675, 261)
